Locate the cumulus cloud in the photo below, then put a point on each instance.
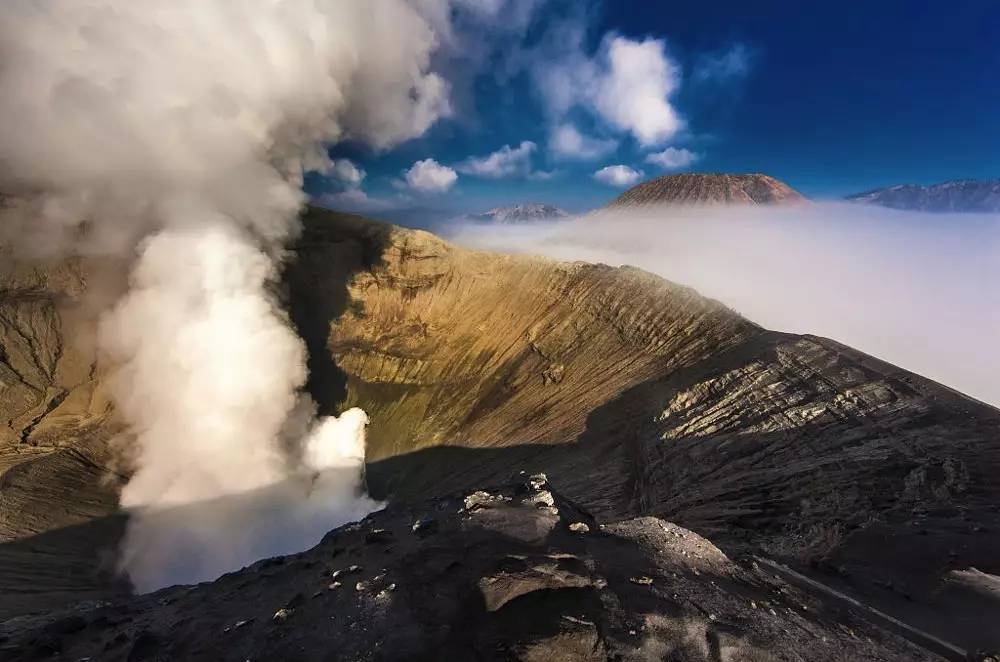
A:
(618, 175)
(673, 158)
(627, 84)
(503, 163)
(175, 135)
(633, 92)
(566, 142)
(429, 176)
(918, 290)
(346, 172)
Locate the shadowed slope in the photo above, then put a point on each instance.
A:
(515, 573)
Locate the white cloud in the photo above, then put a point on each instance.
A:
(344, 170)
(673, 158)
(505, 162)
(566, 142)
(429, 176)
(724, 66)
(627, 84)
(633, 93)
(618, 175)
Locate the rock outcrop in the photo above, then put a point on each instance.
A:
(57, 469)
(709, 189)
(498, 579)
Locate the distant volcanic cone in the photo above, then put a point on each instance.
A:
(710, 189)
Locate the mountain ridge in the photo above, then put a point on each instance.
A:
(957, 195)
(526, 212)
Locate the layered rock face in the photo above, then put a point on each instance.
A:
(709, 189)
(56, 466)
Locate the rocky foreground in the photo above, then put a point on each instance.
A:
(513, 573)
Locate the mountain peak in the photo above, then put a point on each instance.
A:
(522, 213)
(957, 195)
(710, 189)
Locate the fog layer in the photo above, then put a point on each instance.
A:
(921, 291)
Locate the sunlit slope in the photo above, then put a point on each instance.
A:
(638, 396)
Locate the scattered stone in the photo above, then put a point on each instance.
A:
(478, 500)
(578, 621)
(424, 525)
(537, 481)
(553, 374)
(361, 586)
(334, 586)
(282, 615)
(642, 580)
(239, 624)
(542, 499)
(579, 527)
(377, 535)
(345, 571)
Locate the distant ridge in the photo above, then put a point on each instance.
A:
(960, 195)
(523, 213)
(710, 189)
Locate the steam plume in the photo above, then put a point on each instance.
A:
(175, 135)
(921, 291)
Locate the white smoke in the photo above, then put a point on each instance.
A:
(175, 135)
(921, 291)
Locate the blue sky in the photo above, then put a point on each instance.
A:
(832, 99)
